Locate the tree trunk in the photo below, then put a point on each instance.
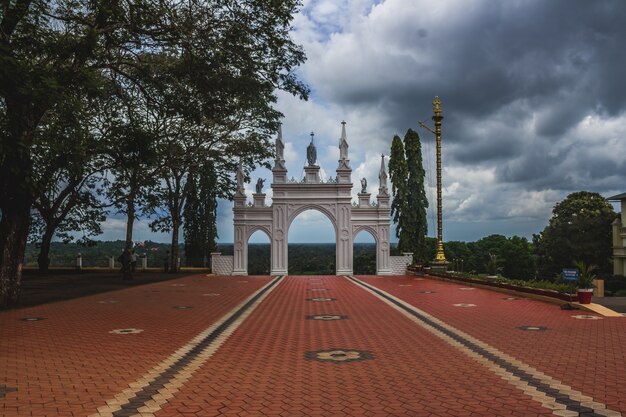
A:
(130, 211)
(127, 273)
(13, 234)
(44, 251)
(16, 199)
(174, 251)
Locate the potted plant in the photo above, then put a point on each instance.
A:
(585, 281)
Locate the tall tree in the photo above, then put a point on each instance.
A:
(200, 214)
(67, 192)
(580, 229)
(50, 50)
(414, 225)
(398, 173)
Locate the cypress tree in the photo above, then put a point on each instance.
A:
(199, 228)
(414, 225)
(398, 173)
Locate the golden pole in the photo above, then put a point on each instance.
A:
(437, 118)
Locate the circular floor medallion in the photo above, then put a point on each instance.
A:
(510, 298)
(586, 317)
(418, 279)
(464, 305)
(126, 331)
(320, 299)
(326, 317)
(339, 355)
(32, 318)
(467, 288)
(425, 292)
(405, 285)
(182, 307)
(533, 328)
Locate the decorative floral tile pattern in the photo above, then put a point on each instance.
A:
(326, 317)
(339, 355)
(126, 331)
(533, 328)
(586, 317)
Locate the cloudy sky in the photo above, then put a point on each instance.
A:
(533, 95)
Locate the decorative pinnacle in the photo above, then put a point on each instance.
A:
(280, 132)
(436, 106)
(343, 131)
(312, 134)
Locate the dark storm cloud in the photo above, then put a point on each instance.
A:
(529, 72)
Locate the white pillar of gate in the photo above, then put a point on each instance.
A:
(291, 197)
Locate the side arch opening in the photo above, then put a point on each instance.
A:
(364, 253)
(259, 253)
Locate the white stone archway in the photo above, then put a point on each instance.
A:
(332, 197)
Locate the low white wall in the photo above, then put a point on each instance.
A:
(399, 263)
(221, 264)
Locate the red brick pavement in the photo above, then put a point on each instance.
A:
(69, 364)
(262, 370)
(589, 355)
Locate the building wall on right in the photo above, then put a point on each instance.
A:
(619, 237)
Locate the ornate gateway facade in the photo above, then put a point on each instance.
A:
(332, 198)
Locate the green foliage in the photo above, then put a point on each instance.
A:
(514, 256)
(200, 211)
(309, 259)
(217, 65)
(410, 209)
(492, 264)
(580, 228)
(398, 173)
(364, 259)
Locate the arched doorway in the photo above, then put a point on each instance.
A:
(259, 253)
(311, 243)
(364, 253)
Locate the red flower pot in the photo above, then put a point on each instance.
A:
(584, 295)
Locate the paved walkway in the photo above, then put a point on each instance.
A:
(309, 346)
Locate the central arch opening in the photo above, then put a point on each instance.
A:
(311, 244)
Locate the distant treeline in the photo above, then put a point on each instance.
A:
(304, 259)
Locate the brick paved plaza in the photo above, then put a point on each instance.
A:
(309, 346)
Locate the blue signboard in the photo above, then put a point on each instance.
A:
(570, 274)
